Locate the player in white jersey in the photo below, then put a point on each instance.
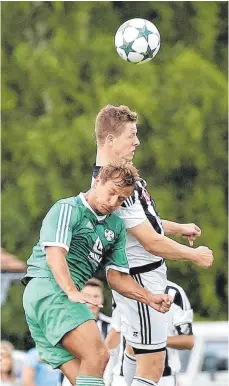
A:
(180, 337)
(147, 246)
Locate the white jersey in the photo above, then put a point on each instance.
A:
(180, 318)
(134, 211)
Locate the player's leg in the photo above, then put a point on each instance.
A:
(150, 366)
(71, 370)
(145, 330)
(129, 365)
(47, 307)
(85, 343)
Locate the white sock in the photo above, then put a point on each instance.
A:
(139, 381)
(129, 368)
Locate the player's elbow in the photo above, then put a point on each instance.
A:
(152, 246)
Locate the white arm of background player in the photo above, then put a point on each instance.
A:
(112, 342)
(160, 245)
(189, 231)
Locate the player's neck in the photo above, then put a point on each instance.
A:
(103, 158)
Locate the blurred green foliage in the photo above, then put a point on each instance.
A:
(60, 67)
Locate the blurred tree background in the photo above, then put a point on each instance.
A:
(59, 67)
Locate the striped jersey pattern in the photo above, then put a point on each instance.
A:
(63, 223)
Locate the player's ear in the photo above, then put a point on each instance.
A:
(97, 181)
(110, 139)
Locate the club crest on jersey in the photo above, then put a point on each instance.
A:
(109, 234)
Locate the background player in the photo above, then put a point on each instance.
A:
(77, 236)
(144, 329)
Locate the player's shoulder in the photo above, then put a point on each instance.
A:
(72, 201)
(181, 298)
(115, 221)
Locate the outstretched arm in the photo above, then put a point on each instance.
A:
(160, 245)
(126, 286)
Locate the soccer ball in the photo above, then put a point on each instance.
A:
(137, 41)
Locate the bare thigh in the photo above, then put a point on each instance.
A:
(71, 370)
(150, 365)
(88, 347)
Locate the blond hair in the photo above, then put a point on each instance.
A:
(111, 119)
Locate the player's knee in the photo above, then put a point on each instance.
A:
(99, 359)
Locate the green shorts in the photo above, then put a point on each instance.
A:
(50, 315)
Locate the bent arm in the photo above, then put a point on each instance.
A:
(112, 339)
(28, 376)
(172, 228)
(56, 260)
(181, 342)
(126, 286)
(160, 245)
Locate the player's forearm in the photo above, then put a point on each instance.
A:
(165, 247)
(56, 261)
(172, 228)
(126, 286)
(113, 339)
(181, 342)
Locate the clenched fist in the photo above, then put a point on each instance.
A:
(203, 256)
(160, 303)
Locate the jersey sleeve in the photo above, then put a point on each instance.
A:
(117, 259)
(132, 214)
(57, 226)
(183, 316)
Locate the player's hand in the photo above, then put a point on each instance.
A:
(78, 297)
(190, 232)
(203, 257)
(160, 303)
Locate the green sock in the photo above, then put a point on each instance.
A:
(84, 380)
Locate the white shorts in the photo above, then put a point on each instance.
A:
(142, 326)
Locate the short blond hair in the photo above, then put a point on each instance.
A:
(110, 120)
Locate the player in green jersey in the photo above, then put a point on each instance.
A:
(79, 235)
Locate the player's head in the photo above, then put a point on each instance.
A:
(116, 132)
(6, 357)
(113, 185)
(94, 288)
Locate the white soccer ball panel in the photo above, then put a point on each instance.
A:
(140, 45)
(119, 39)
(130, 34)
(151, 27)
(156, 50)
(138, 23)
(135, 57)
(153, 40)
(121, 53)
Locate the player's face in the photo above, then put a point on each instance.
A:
(108, 196)
(125, 144)
(96, 294)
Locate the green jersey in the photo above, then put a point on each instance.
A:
(91, 241)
